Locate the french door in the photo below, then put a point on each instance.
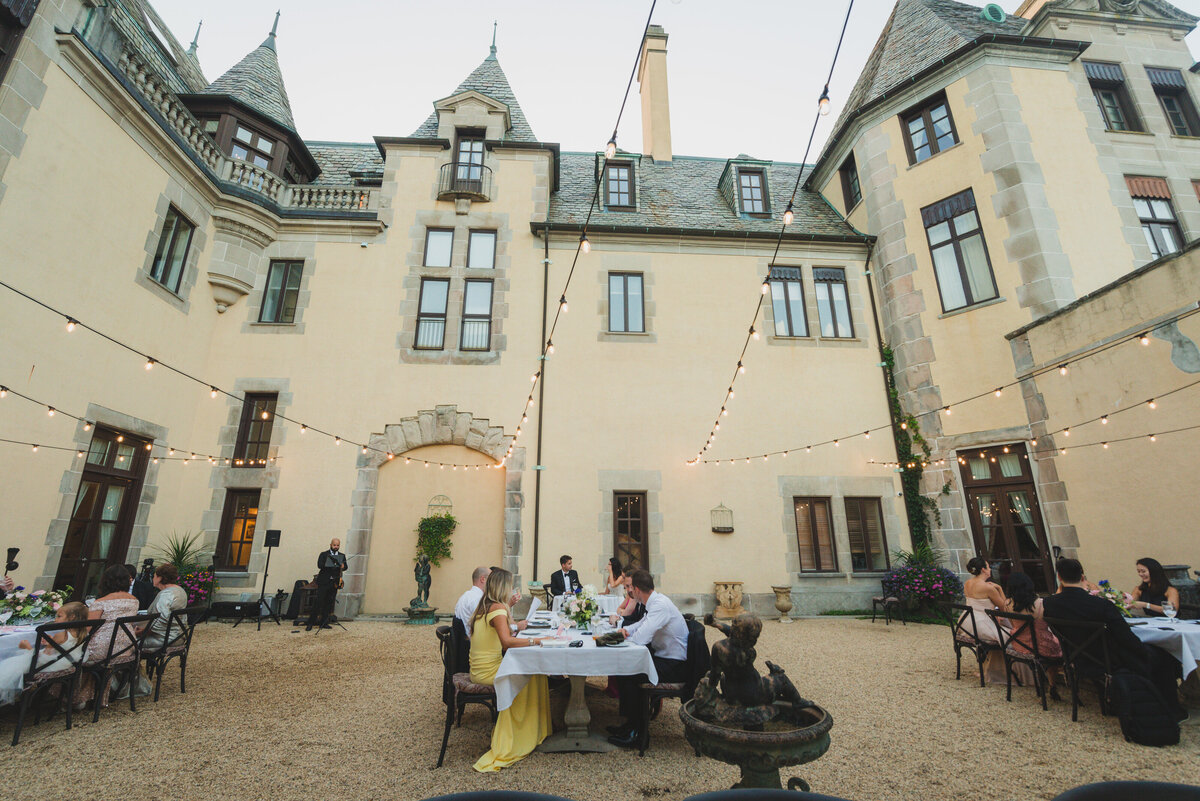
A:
(1005, 517)
(630, 543)
(102, 517)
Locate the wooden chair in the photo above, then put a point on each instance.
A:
(965, 634)
(121, 663)
(1022, 629)
(698, 660)
(457, 688)
(174, 646)
(1085, 656)
(38, 682)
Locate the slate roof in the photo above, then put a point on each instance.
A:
(140, 26)
(257, 81)
(488, 79)
(683, 193)
(337, 159)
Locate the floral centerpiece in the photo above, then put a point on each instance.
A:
(582, 606)
(199, 583)
(1122, 600)
(24, 606)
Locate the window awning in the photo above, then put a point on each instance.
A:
(21, 9)
(1166, 79)
(1145, 187)
(950, 207)
(1099, 71)
(778, 273)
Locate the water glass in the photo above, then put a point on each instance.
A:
(1169, 610)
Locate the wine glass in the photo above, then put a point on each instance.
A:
(1169, 610)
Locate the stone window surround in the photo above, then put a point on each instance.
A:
(195, 213)
(858, 314)
(457, 272)
(610, 482)
(837, 489)
(638, 263)
(282, 250)
(265, 479)
(69, 487)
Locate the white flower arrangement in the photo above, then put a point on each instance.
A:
(582, 606)
(25, 606)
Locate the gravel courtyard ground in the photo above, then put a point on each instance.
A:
(357, 715)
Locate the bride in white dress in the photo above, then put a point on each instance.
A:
(981, 594)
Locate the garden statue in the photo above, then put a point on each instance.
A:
(421, 572)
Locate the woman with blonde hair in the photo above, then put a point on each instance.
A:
(522, 727)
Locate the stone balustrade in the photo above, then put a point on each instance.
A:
(177, 116)
(331, 198)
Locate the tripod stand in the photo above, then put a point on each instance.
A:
(262, 598)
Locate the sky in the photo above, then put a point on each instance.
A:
(743, 77)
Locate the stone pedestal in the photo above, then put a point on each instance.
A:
(729, 599)
(783, 602)
(421, 615)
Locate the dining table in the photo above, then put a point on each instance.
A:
(11, 637)
(1179, 638)
(577, 663)
(608, 603)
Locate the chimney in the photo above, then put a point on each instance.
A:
(652, 83)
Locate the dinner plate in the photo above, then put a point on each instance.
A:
(616, 645)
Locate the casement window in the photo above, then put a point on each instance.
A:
(833, 302)
(1175, 101)
(469, 158)
(868, 543)
(237, 529)
(477, 316)
(1108, 86)
(851, 192)
(752, 189)
(960, 257)
(630, 536)
(173, 242)
(619, 185)
(431, 313)
(787, 302)
(814, 535)
(254, 430)
(282, 292)
(439, 243)
(1152, 201)
(252, 146)
(928, 129)
(626, 309)
(481, 250)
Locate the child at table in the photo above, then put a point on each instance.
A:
(14, 668)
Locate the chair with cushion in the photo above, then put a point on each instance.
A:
(1022, 629)
(1085, 655)
(177, 643)
(120, 663)
(965, 634)
(462, 647)
(698, 660)
(889, 604)
(38, 683)
(457, 688)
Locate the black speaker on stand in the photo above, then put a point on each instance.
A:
(271, 541)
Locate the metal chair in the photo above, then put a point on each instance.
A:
(121, 663)
(1022, 631)
(762, 795)
(1085, 655)
(457, 688)
(38, 681)
(698, 660)
(1122, 791)
(965, 634)
(177, 646)
(888, 603)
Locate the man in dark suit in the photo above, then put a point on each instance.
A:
(140, 588)
(330, 565)
(1074, 602)
(565, 579)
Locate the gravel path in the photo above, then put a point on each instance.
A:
(357, 714)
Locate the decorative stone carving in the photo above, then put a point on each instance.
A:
(729, 599)
(783, 602)
(227, 290)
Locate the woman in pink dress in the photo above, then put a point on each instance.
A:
(115, 602)
(1024, 600)
(981, 595)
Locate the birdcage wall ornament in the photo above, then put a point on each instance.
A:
(722, 520)
(440, 505)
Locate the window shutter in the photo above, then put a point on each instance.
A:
(1165, 79)
(1147, 187)
(1106, 73)
(854, 527)
(950, 207)
(824, 535)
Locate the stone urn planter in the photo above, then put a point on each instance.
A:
(783, 602)
(729, 599)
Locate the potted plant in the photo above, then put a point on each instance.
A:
(197, 580)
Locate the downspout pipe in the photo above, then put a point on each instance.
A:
(537, 468)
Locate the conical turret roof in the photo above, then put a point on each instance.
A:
(257, 81)
(487, 79)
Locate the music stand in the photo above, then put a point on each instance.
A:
(272, 541)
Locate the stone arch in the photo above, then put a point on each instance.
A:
(443, 425)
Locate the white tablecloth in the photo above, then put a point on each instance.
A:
(10, 641)
(608, 603)
(521, 663)
(1180, 639)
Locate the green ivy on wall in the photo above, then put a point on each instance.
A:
(433, 538)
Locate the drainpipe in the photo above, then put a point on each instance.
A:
(887, 378)
(537, 468)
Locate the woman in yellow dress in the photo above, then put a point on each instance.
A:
(522, 727)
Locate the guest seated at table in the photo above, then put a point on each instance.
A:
(981, 594)
(1074, 602)
(468, 602)
(140, 588)
(114, 602)
(1155, 589)
(664, 631)
(14, 668)
(613, 573)
(631, 609)
(522, 727)
(1023, 599)
(6, 586)
(171, 598)
(565, 580)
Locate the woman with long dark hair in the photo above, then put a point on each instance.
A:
(1023, 599)
(1155, 589)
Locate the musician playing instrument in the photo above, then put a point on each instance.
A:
(330, 565)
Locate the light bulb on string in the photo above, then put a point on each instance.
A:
(764, 457)
(337, 440)
(789, 216)
(610, 149)
(35, 447)
(155, 459)
(1152, 404)
(724, 412)
(585, 245)
(524, 418)
(550, 347)
(823, 102)
(766, 285)
(753, 333)
(730, 396)
(837, 444)
(1062, 451)
(785, 453)
(531, 401)
(170, 451)
(407, 460)
(212, 392)
(1153, 438)
(303, 428)
(808, 449)
(1105, 444)
(867, 434)
(150, 364)
(266, 415)
(364, 450)
(3, 392)
(533, 378)
(1067, 431)
(904, 426)
(747, 460)
(999, 391)
(1104, 419)
(70, 325)
(1062, 369)
(49, 411)
(946, 409)
(562, 303)
(1145, 339)
(120, 437)
(149, 445)
(741, 369)
(79, 455)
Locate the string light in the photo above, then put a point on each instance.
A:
(1105, 444)
(49, 411)
(1104, 419)
(79, 455)
(766, 285)
(3, 392)
(867, 434)
(1153, 438)
(35, 447)
(120, 437)
(87, 426)
(212, 392)
(70, 325)
(266, 415)
(562, 303)
(364, 450)
(823, 102)
(1145, 339)
(1067, 431)
(946, 410)
(788, 215)
(741, 371)
(753, 333)
(1152, 404)
(303, 428)
(149, 364)
(999, 391)
(1062, 369)
(337, 440)
(550, 347)
(585, 245)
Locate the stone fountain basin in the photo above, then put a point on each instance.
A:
(780, 744)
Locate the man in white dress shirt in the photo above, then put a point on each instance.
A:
(469, 600)
(664, 631)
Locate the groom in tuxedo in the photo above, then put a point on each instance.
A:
(565, 579)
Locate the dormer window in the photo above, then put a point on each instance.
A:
(251, 146)
(928, 129)
(752, 191)
(469, 160)
(619, 185)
